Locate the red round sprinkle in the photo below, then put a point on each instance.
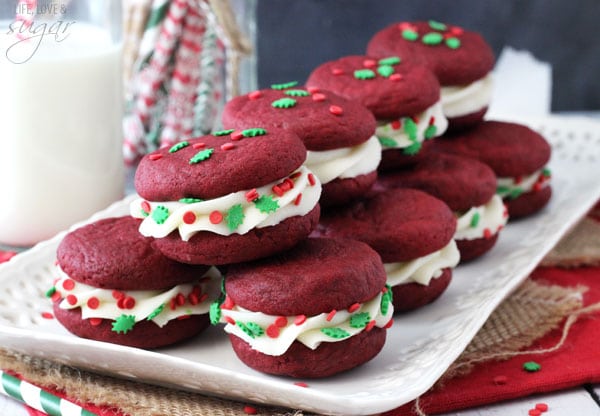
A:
(146, 207)
(300, 384)
(227, 303)
(249, 410)
(415, 119)
(330, 315)
(93, 302)
(336, 110)
(500, 380)
(534, 412)
(456, 30)
(55, 297)
(384, 290)
(369, 63)
(71, 299)
(300, 319)
(354, 307)
(215, 217)
(537, 187)
(337, 71)
(155, 156)
(487, 233)
(277, 190)
(298, 199)
(230, 320)
(281, 321)
(396, 124)
(121, 303)
(227, 146)
(254, 95)
(370, 325)
(389, 324)
(318, 97)
(47, 315)
(199, 145)
(395, 77)
(542, 407)
(68, 284)
(237, 135)
(117, 294)
(272, 331)
(189, 217)
(311, 179)
(95, 321)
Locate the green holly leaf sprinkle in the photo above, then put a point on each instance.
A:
(387, 142)
(50, 292)
(123, 324)
(413, 149)
(190, 200)
(453, 43)
(386, 300)
(284, 103)
(410, 35)
(531, 366)
(435, 25)
(392, 60)
(214, 311)
(223, 132)
(234, 217)
(475, 220)
(432, 38)
(364, 74)
(410, 128)
(266, 204)
(156, 312)
(385, 70)
(515, 193)
(254, 132)
(201, 156)
(337, 333)
(252, 329)
(360, 320)
(160, 214)
(178, 146)
(297, 93)
(284, 86)
(430, 132)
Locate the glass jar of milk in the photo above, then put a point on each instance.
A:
(60, 114)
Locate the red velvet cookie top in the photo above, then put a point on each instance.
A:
(455, 55)
(390, 87)
(400, 224)
(316, 276)
(460, 182)
(112, 254)
(510, 149)
(218, 164)
(322, 119)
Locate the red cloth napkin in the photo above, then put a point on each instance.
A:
(576, 363)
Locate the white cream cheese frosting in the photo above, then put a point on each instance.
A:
(423, 269)
(482, 221)
(158, 306)
(408, 133)
(347, 162)
(513, 187)
(460, 100)
(273, 335)
(238, 212)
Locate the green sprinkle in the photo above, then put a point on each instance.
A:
(297, 93)
(531, 366)
(284, 85)
(156, 312)
(364, 74)
(475, 220)
(284, 103)
(502, 190)
(387, 142)
(51, 292)
(432, 38)
(435, 25)
(254, 132)
(234, 217)
(410, 35)
(190, 200)
(144, 213)
(386, 300)
(123, 324)
(337, 333)
(223, 132)
(453, 43)
(178, 146)
(546, 172)
(360, 320)
(413, 149)
(410, 128)
(392, 60)
(430, 132)
(160, 214)
(385, 70)
(515, 193)
(266, 204)
(201, 156)
(252, 329)
(214, 312)
(245, 329)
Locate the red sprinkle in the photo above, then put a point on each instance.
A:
(272, 331)
(298, 199)
(281, 321)
(227, 146)
(146, 207)
(336, 110)
(311, 179)
(370, 325)
(300, 319)
(237, 135)
(289, 183)
(189, 217)
(251, 195)
(68, 284)
(254, 95)
(117, 294)
(331, 315)
(487, 233)
(500, 380)
(396, 124)
(354, 307)
(155, 156)
(71, 299)
(337, 71)
(312, 90)
(431, 120)
(182, 317)
(230, 320)
(534, 412)
(55, 297)
(456, 30)
(227, 303)
(396, 77)
(47, 315)
(193, 299)
(277, 190)
(369, 63)
(215, 217)
(389, 324)
(93, 302)
(300, 384)
(95, 321)
(249, 410)
(199, 145)
(542, 407)
(318, 97)
(295, 175)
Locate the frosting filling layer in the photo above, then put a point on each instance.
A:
(408, 133)
(238, 212)
(512, 188)
(422, 269)
(130, 306)
(347, 162)
(482, 221)
(273, 335)
(460, 100)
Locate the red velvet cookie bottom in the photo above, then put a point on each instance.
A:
(471, 249)
(456, 124)
(145, 334)
(394, 159)
(214, 249)
(528, 203)
(327, 359)
(411, 296)
(341, 191)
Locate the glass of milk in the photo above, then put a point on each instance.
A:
(60, 114)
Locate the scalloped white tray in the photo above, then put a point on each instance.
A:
(420, 345)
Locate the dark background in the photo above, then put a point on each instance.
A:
(294, 36)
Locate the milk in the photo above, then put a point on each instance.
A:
(60, 131)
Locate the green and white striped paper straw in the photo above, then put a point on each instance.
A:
(39, 399)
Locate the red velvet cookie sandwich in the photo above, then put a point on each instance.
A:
(313, 311)
(114, 286)
(468, 187)
(517, 154)
(339, 134)
(462, 60)
(412, 232)
(227, 197)
(403, 97)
